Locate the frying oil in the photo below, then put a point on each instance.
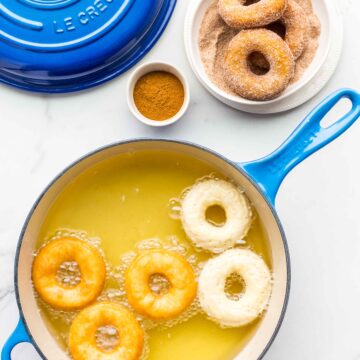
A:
(128, 204)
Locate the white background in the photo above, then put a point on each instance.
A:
(318, 203)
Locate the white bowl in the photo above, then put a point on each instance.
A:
(312, 81)
(145, 69)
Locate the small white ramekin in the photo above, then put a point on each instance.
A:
(145, 69)
(313, 80)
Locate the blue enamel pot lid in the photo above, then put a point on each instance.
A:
(58, 46)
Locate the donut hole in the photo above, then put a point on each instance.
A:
(107, 338)
(278, 27)
(250, 2)
(68, 274)
(159, 284)
(234, 286)
(258, 63)
(216, 215)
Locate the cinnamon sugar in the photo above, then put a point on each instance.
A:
(215, 36)
(313, 43)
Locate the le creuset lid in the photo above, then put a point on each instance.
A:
(68, 45)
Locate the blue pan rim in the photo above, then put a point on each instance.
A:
(136, 140)
(97, 79)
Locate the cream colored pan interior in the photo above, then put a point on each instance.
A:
(37, 328)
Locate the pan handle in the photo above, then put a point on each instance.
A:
(308, 137)
(19, 336)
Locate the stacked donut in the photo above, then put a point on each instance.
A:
(260, 61)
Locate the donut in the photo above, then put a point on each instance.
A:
(297, 28)
(295, 33)
(241, 16)
(83, 342)
(206, 235)
(257, 290)
(179, 274)
(238, 73)
(58, 294)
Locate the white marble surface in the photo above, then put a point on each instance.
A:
(318, 203)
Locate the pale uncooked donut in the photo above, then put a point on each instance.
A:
(206, 235)
(258, 283)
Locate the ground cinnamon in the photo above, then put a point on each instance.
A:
(159, 95)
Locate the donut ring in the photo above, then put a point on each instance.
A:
(254, 300)
(296, 35)
(206, 235)
(52, 256)
(236, 14)
(178, 272)
(237, 71)
(297, 28)
(82, 335)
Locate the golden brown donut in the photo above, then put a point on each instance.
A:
(296, 35)
(243, 80)
(241, 16)
(297, 28)
(175, 268)
(46, 266)
(82, 335)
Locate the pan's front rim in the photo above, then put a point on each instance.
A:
(180, 142)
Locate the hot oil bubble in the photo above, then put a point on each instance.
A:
(190, 312)
(113, 294)
(172, 243)
(234, 286)
(61, 319)
(211, 176)
(240, 242)
(107, 337)
(159, 284)
(175, 208)
(69, 274)
(148, 244)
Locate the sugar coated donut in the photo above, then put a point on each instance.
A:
(239, 15)
(297, 28)
(296, 34)
(243, 80)
(257, 290)
(179, 274)
(64, 296)
(206, 235)
(83, 343)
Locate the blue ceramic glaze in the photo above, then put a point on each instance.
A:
(68, 45)
(268, 173)
(309, 137)
(19, 336)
